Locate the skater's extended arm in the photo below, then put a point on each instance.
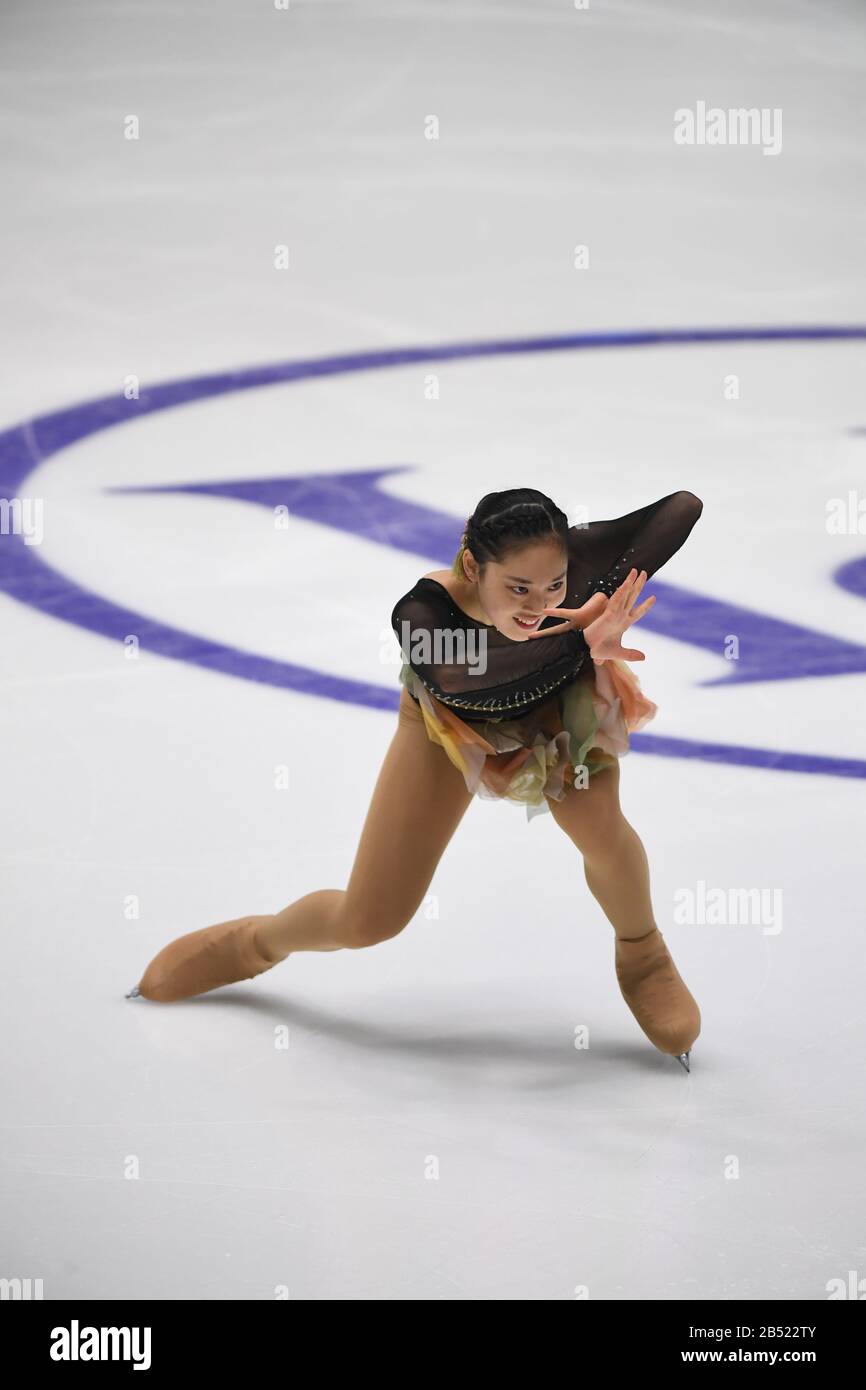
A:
(610, 561)
(603, 552)
(457, 657)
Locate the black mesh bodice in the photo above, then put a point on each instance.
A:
(519, 675)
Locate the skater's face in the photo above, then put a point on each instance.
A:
(514, 592)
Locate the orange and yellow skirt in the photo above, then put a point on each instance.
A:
(579, 730)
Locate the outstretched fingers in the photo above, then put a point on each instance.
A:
(548, 631)
(569, 613)
(644, 608)
(630, 587)
(627, 595)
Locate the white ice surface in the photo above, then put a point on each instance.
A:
(451, 1044)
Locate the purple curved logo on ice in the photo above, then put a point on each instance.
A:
(354, 503)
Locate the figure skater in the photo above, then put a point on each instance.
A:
(514, 685)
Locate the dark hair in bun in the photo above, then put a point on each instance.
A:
(502, 521)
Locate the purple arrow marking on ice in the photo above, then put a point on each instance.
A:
(769, 648)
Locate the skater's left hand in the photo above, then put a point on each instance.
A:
(607, 619)
(579, 618)
(604, 636)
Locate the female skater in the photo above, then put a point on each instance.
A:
(515, 685)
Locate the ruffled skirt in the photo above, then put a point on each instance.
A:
(574, 734)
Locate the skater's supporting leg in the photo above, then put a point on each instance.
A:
(617, 872)
(615, 864)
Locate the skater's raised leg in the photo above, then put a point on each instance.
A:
(417, 804)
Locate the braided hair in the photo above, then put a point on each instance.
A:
(504, 520)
